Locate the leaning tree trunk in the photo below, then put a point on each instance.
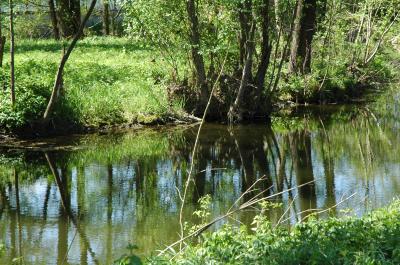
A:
(197, 58)
(53, 17)
(302, 36)
(106, 18)
(59, 77)
(12, 67)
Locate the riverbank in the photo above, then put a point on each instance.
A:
(108, 82)
(114, 83)
(372, 239)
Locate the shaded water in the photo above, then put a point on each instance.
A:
(84, 205)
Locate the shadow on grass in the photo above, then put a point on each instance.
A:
(102, 44)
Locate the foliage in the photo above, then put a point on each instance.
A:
(372, 239)
(2, 249)
(351, 47)
(31, 99)
(130, 259)
(107, 81)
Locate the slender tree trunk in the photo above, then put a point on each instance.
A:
(302, 36)
(54, 22)
(265, 50)
(245, 27)
(197, 58)
(277, 16)
(2, 42)
(113, 16)
(293, 61)
(106, 18)
(59, 77)
(12, 68)
(235, 113)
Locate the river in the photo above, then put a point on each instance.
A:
(83, 199)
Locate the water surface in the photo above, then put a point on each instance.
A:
(83, 205)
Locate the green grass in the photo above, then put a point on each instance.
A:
(372, 239)
(107, 81)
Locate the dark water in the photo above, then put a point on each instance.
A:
(85, 204)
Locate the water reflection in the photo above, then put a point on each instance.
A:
(84, 206)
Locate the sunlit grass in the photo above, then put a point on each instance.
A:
(107, 80)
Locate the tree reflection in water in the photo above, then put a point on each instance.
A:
(123, 188)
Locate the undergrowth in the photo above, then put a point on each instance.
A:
(107, 81)
(372, 239)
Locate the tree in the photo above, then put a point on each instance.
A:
(54, 21)
(2, 42)
(12, 66)
(69, 16)
(302, 36)
(59, 77)
(247, 46)
(106, 17)
(197, 57)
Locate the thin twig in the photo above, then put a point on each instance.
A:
(195, 150)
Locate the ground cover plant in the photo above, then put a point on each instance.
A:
(108, 81)
(372, 239)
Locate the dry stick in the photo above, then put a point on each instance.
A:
(319, 211)
(286, 211)
(250, 188)
(195, 149)
(241, 208)
(58, 81)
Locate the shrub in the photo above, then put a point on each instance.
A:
(373, 239)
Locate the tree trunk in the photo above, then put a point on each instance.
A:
(244, 21)
(197, 58)
(59, 77)
(69, 16)
(294, 47)
(265, 51)
(106, 18)
(2, 42)
(53, 17)
(235, 113)
(302, 36)
(12, 68)
(277, 16)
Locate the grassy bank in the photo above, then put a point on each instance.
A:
(372, 239)
(107, 81)
(112, 81)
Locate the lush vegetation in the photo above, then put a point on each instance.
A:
(372, 239)
(169, 56)
(108, 81)
(230, 60)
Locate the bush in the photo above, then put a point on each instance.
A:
(31, 100)
(373, 239)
